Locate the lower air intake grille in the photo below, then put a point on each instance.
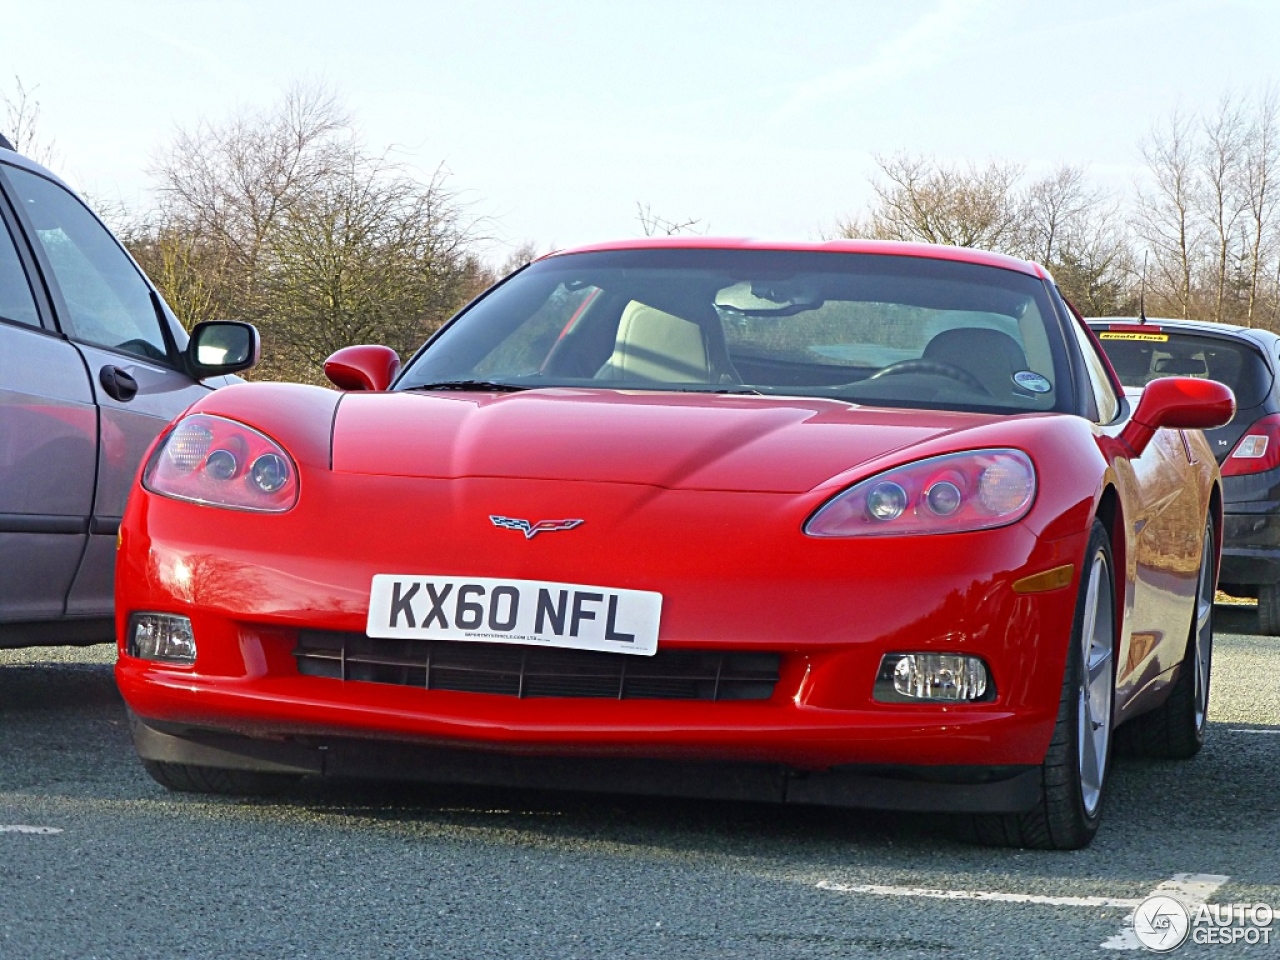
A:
(521, 671)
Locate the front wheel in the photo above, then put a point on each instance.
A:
(1073, 776)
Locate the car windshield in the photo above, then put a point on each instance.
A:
(1142, 355)
(866, 328)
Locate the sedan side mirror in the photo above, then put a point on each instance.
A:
(364, 367)
(1179, 403)
(219, 347)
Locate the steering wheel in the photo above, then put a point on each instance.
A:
(935, 367)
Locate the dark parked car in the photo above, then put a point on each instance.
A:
(1248, 448)
(93, 364)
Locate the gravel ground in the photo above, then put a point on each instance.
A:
(358, 871)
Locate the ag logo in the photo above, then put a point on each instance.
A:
(531, 530)
(1161, 923)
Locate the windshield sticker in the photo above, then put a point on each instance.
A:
(1030, 380)
(1152, 337)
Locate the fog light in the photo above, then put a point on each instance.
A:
(161, 636)
(936, 677)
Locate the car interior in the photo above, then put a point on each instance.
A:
(879, 338)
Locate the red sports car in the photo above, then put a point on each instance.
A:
(853, 523)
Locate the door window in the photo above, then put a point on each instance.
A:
(17, 305)
(1104, 394)
(108, 303)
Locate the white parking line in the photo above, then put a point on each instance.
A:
(22, 828)
(880, 890)
(1192, 889)
(1271, 730)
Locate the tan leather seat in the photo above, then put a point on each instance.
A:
(991, 356)
(655, 346)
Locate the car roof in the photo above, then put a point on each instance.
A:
(882, 247)
(16, 159)
(1262, 338)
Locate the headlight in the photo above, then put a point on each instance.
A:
(222, 463)
(976, 490)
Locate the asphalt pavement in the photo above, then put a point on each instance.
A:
(97, 861)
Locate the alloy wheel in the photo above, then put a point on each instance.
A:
(1203, 633)
(1096, 683)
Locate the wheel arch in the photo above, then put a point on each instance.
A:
(1110, 511)
(1215, 513)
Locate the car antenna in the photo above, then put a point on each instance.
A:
(1142, 292)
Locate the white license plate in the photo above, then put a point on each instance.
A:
(533, 612)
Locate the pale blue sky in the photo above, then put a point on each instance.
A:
(555, 118)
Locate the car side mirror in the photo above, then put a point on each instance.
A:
(1178, 403)
(220, 347)
(363, 367)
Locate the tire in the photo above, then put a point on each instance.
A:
(1269, 609)
(1073, 775)
(186, 778)
(1175, 729)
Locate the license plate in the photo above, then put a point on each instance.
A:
(533, 612)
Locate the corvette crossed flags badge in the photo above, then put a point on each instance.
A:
(531, 530)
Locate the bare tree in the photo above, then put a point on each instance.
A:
(523, 254)
(231, 183)
(923, 200)
(283, 217)
(22, 125)
(1167, 217)
(369, 255)
(1053, 210)
(655, 226)
(1223, 188)
(1075, 229)
(1262, 197)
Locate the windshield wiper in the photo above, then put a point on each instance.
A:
(477, 386)
(735, 391)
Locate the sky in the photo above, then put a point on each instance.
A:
(555, 119)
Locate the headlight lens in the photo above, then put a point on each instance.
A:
(975, 490)
(222, 463)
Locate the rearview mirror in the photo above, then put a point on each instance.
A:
(219, 347)
(1178, 403)
(364, 367)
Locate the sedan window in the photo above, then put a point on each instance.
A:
(16, 302)
(107, 301)
(1140, 357)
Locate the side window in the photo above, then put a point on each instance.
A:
(16, 301)
(1103, 393)
(108, 303)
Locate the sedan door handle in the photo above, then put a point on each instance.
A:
(117, 383)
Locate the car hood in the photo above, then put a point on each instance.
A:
(671, 440)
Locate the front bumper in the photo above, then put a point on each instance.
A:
(953, 789)
(830, 611)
